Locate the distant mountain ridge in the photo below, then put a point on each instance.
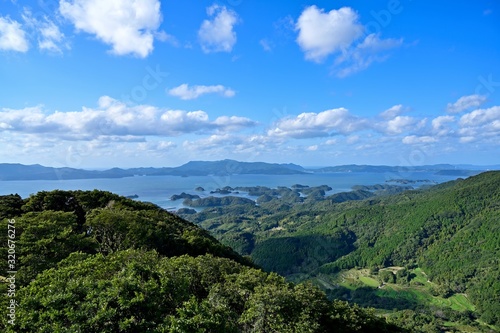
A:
(442, 168)
(15, 171)
(9, 171)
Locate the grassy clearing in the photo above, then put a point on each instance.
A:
(458, 302)
(420, 277)
(371, 282)
(419, 290)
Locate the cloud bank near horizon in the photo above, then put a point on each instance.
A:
(113, 128)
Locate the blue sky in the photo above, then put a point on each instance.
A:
(95, 84)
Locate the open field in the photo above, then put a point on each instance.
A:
(366, 288)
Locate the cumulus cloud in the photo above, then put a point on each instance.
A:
(323, 33)
(308, 125)
(129, 26)
(216, 34)
(114, 118)
(466, 102)
(185, 92)
(481, 124)
(12, 36)
(399, 125)
(481, 117)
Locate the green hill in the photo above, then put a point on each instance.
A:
(449, 231)
(97, 262)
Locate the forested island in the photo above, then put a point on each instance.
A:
(295, 259)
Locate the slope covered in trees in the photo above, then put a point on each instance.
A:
(98, 262)
(450, 231)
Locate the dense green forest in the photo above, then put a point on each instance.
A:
(423, 251)
(92, 261)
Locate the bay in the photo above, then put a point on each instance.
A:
(159, 189)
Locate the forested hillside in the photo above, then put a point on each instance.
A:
(98, 262)
(437, 244)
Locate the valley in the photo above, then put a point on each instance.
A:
(449, 231)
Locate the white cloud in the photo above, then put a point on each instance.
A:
(217, 34)
(399, 124)
(114, 118)
(438, 125)
(375, 44)
(162, 36)
(372, 49)
(321, 33)
(466, 102)
(480, 117)
(331, 142)
(481, 124)
(185, 92)
(12, 36)
(233, 122)
(128, 26)
(312, 148)
(307, 125)
(165, 145)
(392, 112)
(413, 139)
(51, 37)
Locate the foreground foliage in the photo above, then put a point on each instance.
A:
(97, 262)
(136, 291)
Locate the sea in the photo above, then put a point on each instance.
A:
(159, 189)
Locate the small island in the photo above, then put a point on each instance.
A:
(184, 195)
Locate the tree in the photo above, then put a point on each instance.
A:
(45, 238)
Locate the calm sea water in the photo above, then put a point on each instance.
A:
(159, 189)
